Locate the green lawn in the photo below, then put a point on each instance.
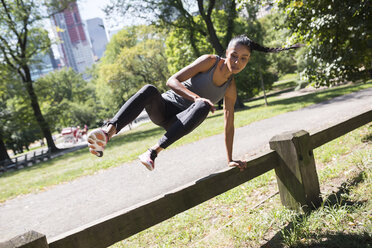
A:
(134, 142)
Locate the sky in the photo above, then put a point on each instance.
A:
(93, 8)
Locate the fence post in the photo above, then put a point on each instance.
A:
(49, 153)
(25, 162)
(34, 159)
(296, 174)
(30, 239)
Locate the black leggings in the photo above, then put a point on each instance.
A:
(175, 121)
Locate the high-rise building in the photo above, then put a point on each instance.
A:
(43, 64)
(74, 47)
(98, 37)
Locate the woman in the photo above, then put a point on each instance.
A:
(194, 91)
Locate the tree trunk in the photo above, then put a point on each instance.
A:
(230, 22)
(263, 87)
(195, 49)
(3, 152)
(239, 103)
(37, 112)
(211, 31)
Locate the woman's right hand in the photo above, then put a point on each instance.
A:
(207, 101)
(237, 163)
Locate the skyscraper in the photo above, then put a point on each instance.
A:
(98, 37)
(43, 64)
(74, 47)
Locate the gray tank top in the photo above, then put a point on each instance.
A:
(202, 85)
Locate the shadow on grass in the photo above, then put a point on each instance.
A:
(329, 238)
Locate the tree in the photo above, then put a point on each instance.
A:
(21, 128)
(66, 99)
(275, 35)
(134, 57)
(3, 150)
(21, 37)
(18, 127)
(179, 14)
(4, 95)
(338, 37)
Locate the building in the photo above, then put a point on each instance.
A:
(98, 37)
(74, 47)
(43, 64)
(113, 32)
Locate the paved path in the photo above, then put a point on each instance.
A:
(70, 205)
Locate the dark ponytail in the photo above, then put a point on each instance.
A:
(245, 41)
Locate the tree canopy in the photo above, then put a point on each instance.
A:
(134, 57)
(338, 35)
(180, 15)
(66, 99)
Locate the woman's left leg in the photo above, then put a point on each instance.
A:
(184, 123)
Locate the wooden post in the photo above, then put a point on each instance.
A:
(296, 174)
(34, 159)
(263, 87)
(30, 239)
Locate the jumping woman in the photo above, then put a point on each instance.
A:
(193, 92)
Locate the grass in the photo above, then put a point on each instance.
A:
(251, 215)
(134, 142)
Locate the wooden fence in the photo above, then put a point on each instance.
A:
(291, 158)
(25, 160)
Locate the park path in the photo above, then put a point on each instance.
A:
(70, 205)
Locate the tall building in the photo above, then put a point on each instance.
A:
(43, 64)
(74, 47)
(98, 37)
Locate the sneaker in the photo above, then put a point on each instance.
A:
(97, 140)
(148, 159)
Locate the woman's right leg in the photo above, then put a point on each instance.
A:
(148, 97)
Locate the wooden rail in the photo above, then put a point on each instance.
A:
(24, 160)
(291, 157)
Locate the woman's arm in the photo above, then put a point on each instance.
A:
(202, 64)
(229, 103)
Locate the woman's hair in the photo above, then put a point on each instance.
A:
(251, 45)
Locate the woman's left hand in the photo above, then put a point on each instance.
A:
(240, 164)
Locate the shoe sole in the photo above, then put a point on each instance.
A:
(97, 140)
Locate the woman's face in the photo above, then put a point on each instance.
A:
(237, 57)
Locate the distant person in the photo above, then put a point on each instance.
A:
(76, 134)
(85, 130)
(194, 91)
